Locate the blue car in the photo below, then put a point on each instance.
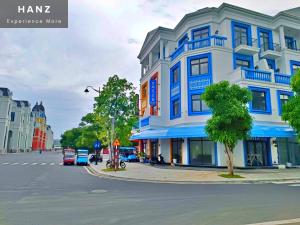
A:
(133, 158)
(82, 157)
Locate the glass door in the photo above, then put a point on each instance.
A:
(176, 150)
(257, 152)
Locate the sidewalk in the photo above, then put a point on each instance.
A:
(145, 172)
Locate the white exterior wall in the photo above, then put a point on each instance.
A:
(5, 110)
(222, 69)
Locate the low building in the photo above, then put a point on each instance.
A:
(248, 48)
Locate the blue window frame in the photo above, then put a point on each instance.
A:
(282, 98)
(295, 65)
(182, 40)
(240, 60)
(199, 72)
(261, 100)
(241, 34)
(271, 64)
(290, 43)
(265, 39)
(175, 91)
(201, 33)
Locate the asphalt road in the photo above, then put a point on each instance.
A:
(36, 190)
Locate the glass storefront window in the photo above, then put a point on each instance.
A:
(201, 151)
(176, 149)
(257, 150)
(288, 151)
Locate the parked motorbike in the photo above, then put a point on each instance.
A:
(93, 159)
(157, 160)
(121, 163)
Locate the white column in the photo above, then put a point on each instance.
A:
(150, 59)
(185, 152)
(161, 49)
(142, 70)
(281, 37)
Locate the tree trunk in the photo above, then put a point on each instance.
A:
(229, 161)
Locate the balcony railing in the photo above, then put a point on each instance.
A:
(252, 74)
(273, 47)
(197, 44)
(243, 41)
(282, 79)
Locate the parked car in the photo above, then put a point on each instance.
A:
(133, 158)
(82, 157)
(69, 159)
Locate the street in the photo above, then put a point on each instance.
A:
(36, 189)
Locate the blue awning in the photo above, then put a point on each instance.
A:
(272, 131)
(199, 131)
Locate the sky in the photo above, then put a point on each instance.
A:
(104, 38)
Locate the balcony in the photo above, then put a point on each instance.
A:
(252, 74)
(270, 52)
(242, 46)
(198, 44)
(243, 74)
(282, 79)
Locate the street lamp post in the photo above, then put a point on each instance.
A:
(112, 125)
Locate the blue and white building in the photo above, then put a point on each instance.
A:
(247, 48)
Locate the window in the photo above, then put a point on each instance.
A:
(175, 108)
(199, 66)
(175, 75)
(201, 33)
(12, 116)
(290, 43)
(295, 66)
(261, 102)
(283, 98)
(182, 40)
(198, 105)
(201, 151)
(265, 39)
(271, 64)
(243, 61)
(241, 36)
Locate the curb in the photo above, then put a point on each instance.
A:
(94, 172)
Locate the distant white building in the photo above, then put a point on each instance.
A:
(50, 139)
(5, 111)
(17, 125)
(21, 126)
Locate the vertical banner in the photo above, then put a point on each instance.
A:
(153, 93)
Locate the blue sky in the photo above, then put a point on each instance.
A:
(103, 38)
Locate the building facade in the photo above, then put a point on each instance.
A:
(254, 50)
(22, 129)
(5, 111)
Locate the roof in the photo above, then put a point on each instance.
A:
(5, 92)
(38, 107)
(293, 11)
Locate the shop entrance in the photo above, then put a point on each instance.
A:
(201, 151)
(288, 151)
(258, 152)
(176, 149)
(154, 148)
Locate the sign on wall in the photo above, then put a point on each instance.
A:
(153, 93)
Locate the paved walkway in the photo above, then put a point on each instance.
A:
(145, 172)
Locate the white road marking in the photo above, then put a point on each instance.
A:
(52, 164)
(6, 163)
(61, 164)
(25, 164)
(294, 185)
(42, 164)
(34, 164)
(286, 182)
(14, 164)
(278, 222)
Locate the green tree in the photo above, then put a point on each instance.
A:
(70, 137)
(230, 121)
(291, 110)
(117, 99)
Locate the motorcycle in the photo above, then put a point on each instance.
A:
(121, 163)
(93, 159)
(157, 160)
